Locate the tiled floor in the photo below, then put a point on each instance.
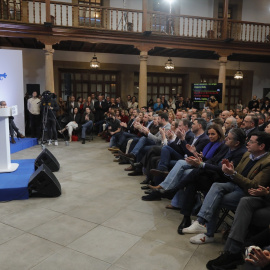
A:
(99, 222)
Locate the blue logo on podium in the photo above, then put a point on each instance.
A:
(3, 76)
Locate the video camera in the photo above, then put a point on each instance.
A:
(47, 96)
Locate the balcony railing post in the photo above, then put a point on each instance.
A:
(144, 17)
(48, 10)
(225, 20)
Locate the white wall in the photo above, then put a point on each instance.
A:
(34, 60)
(256, 11)
(11, 87)
(202, 8)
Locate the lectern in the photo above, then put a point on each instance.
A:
(5, 164)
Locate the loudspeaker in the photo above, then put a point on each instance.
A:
(43, 183)
(47, 158)
(67, 84)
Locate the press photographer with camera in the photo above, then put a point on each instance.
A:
(212, 103)
(48, 108)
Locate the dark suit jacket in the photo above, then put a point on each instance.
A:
(202, 141)
(100, 111)
(177, 147)
(77, 118)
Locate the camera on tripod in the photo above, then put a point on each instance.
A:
(47, 96)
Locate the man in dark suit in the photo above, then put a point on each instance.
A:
(100, 109)
(250, 124)
(197, 139)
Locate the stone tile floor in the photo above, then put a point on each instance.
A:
(99, 222)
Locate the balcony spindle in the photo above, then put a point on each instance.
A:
(15, 9)
(61, 14)
(184, 21)
(95, 17)
(34, 11)
(111, 19)
(66, 15)
(138, 21)
(39, 7)
(54, 12)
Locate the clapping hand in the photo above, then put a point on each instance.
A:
(169, 134)
(191, 148)
(227, 167)
(180, 133)
(194, 161)
(260, 191)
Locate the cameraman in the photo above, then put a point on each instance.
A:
(212, 103)
(50, 106)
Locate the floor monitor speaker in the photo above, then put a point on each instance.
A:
(43, 183)
(47, 158)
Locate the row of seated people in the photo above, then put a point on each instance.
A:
(185, 157)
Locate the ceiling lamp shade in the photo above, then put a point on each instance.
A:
(94, 64)
(239, 74)
(169, 65)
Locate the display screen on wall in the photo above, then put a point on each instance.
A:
(201, 92)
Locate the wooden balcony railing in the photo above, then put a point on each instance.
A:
(186, 26)
(129, 20)
(249, 31)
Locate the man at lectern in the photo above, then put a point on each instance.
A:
(12, 127)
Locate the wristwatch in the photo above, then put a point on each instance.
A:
(234, 174)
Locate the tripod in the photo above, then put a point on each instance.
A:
(46, 110)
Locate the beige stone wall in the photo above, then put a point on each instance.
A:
(192, 75)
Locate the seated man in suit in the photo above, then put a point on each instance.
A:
(12, 127)
(205, 174)
(252, 171)
(150, 139)
(87, 121)
(255, 210)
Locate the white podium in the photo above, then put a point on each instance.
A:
(5, 164)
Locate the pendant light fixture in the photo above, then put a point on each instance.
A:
(94, 64)
(169, 65)
(239, 74)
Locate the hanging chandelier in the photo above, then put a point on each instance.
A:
(239, 74)
(94, 64)
(169, 65)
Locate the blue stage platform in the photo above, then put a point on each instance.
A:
(22, 144)
(14, 186)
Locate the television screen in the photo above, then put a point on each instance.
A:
(201, 92)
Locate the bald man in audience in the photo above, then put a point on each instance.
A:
(225, 115)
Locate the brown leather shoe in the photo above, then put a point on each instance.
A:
(130, 169)
(12, 140)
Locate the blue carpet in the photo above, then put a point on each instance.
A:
(22, 144)
(14, 186)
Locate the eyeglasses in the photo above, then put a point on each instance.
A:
(247, 121)
(252, 142)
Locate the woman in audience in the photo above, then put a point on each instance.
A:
(74, 121)
(89, 104)
(215, 147)
(134, 103)
(171, 104)
(124, 116)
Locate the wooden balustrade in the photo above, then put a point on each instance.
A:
(186, 26)
(249, 31)
(129, 20)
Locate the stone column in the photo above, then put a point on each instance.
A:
(143, 79)
(49, 77)
(222, 78)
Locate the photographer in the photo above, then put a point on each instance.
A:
(212, 103)
(49, 106)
